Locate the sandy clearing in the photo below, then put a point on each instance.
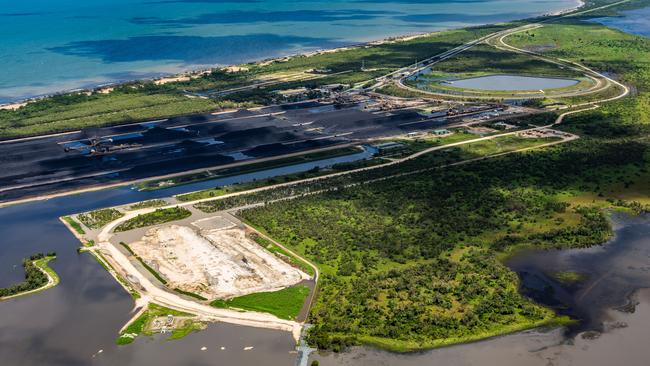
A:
(152, 293)
(214, 263)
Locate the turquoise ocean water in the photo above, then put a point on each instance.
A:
(49, 46)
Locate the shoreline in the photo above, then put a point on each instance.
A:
(53, 278)
(198, 72)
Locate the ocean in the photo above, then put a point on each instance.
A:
(50, 46)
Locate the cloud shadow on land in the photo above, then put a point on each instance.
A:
(193, 49)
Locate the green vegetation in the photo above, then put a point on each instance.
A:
(315, 172)
(98, 218)
(190, 294)
(78, 110)
(283, 254)
(148, 204)
(160, 216)
(412, 261)
(144, 324)
(487, 60)
(144, 264)
(36, 271)
(74, 225)
(569, 277)
(503, 144)
(285, 303)
(430, 161)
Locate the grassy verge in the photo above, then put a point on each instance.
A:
(397, 345)
(74, 225)
(160, 216)
(190, 294)
(144, 264)
(43, 264)
(285, 303)
(77, 111)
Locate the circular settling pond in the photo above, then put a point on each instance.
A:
(512, 83)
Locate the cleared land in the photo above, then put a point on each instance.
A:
(216, 263)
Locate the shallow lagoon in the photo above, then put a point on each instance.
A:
(512, 82)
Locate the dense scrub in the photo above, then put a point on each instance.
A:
(98, 218)
(159, 216)
(410, 262)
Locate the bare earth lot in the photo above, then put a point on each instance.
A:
(214, 261)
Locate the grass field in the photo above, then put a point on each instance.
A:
(72, 113)
(285, 303)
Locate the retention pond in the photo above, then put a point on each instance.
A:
(512, 82)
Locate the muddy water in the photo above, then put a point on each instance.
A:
(70, 323)
(614, 272)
